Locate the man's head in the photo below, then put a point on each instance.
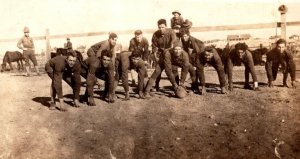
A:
(241, 49)
(113, 38)
(106, 58)
(162, 25)
(68, 39)
(135, 57)
(26, 31)
(281, 45)
(208, 53)
(185, 35)
(177, 46)
(138, 35)
(71, 60)
(176, 14)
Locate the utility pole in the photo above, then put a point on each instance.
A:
(283, 10)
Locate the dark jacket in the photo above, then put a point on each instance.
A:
(274, 58)
(195, 44)
(58, 69)
(178, 21)
(215, 62)
(160, 41)
(98, 48)
(142, 46)
(180, 61)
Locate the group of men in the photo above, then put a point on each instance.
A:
(171, 52)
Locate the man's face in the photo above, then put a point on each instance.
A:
(176, 15)
(185, 37)
(26, 34)
(208, 55)
(281, 47)
(106, 61)
(113, 41)
(139, 37)
(135, 60)
(71, 61)
(162, 28)
(177, 51)
(241, 53)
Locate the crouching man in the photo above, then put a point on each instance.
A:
(128, 61)
(241, 51)
(101, 68)
(171, 60)
(210, 56)
(65, 68)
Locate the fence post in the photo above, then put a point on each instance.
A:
(283, 9)
(47, 38)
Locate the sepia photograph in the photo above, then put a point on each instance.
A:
(150, 79)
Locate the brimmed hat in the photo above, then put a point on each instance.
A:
(176, 11)
(187, 24)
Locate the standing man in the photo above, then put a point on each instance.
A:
(172, 59)
(210, 56)
(131, 61)
(241, 53)
(69, 46)
(26, 44)
(162, 39)
(280, 56)
(65, 68)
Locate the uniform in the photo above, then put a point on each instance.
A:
(28, 44)
(58, 69)
(142, 46)
(123, 64)
(215, 62)
(285, 59)
(96, 49)
(196, 45)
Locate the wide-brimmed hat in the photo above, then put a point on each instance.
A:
(176, 11)
(187, 24)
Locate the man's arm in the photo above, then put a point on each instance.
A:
(268, 66)
(131, 45)
(142, 72)
(19, 44)
(146, 49)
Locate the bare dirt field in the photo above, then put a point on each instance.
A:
(241, 124)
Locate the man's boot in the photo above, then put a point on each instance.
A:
(91, 101)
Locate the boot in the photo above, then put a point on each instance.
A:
(127, 95)
(91, 101)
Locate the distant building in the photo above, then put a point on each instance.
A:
(238, 37)
(294, 37)
(274, 37)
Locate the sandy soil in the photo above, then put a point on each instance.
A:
(241, 124)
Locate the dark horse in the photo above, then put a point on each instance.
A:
(12, 56)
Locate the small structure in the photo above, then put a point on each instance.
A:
(294, 37)
(238, 37)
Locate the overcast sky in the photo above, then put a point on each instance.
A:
(77, 16)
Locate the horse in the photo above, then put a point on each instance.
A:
(12, 56)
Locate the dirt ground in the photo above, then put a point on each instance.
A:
(241, 124)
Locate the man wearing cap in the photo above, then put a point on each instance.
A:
(102, 68)
(27, 45)
(177, 19)
(280, 56)
(65, 68)
(240, 52)
(172, 59)
(210, 56)
(69, 45)
(131, 60)
(162, 39)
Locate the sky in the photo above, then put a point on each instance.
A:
(78, 16)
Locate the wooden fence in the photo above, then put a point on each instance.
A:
(47, 37)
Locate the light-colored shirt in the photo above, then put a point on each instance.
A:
(25, 42)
